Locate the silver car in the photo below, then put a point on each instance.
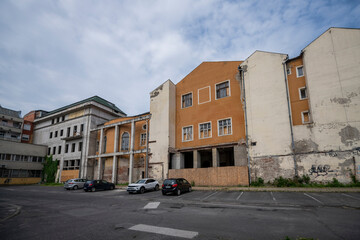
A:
(75, 183)
(143, 185)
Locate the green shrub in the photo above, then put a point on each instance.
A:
(193, 183)
(258, 183)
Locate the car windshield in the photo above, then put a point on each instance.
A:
(69, 180)
(170, 181)
(141, 181)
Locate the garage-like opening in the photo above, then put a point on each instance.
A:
(188, 159)
(226, 157)
(205, 158)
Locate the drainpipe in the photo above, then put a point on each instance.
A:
(290, 118)
(243, 100)
(147, 150)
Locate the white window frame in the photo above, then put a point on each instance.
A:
(229, 89)
(211, 130)
(209, 95)
(141, 134)
(192, 100)
(302, 117)
(218, 125)
(300, 93)
(297, 71)
(192, 133)
(121, 142)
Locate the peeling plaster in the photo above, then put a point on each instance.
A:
(341, 100)
(349, 134)
(304, 145)
(156, 92)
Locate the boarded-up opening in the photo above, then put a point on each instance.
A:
(205, 158)
(188, 159)
(226, 156)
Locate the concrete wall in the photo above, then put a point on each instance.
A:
(162, 128)
(219, 176)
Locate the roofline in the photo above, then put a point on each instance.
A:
(264, 52)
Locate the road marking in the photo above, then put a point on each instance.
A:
(209, 196)
(10, 189)
(273, 196)
(350, 196)
(239, 196)
(313, 198)
(152, 205)
(164, 231)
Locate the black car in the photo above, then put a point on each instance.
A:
(175, 186)
(94, 185)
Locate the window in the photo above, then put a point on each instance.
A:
(224, 127)
(75, 130)
(187, 134)
(50, 134)
(63, 118)
(205, 130)
(73, 147)
(302, 93)
(27, 127)
(68, 132)
(305, 116)
(49, 151)
(59, 150)
(288, 71)
(223, 89)
(56, 133)
(58, 119)
(80, 146)
(125, 141)
(81, 128)
(144, 127)
(61, 132)
(299, 71)
(143, 139)
(25, 137)
(54, 150)
(52, 121)
(186, 100)
(66, 148)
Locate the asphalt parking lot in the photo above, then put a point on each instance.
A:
(196, 215)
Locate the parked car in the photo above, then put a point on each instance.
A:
(94, 185)
(175, 186)
(143, 185)
(74, 183)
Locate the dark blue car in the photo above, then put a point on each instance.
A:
(94, 185)
(175, 186)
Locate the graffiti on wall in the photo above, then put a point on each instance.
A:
(320, 170)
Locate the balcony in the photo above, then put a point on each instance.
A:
(76, 135)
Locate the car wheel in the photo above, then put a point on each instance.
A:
(93, 189)
(178, 192)
(163, 193)
(189, 189)
(142, 190)
(75, 187)
(156, 188)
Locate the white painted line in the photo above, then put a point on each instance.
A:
(209, 196)
(164, 231)
(350, 196)
(152, 205)
(239, 196)
(313, 198)
(273, 196)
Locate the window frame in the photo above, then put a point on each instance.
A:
(121, 142)
(199, 95)
(211, 130)
(302, 117)
(216, 98)
(192, 99)
(297, 71)
(141, 134)
(306, 96)
(192, 133)
(218, 126)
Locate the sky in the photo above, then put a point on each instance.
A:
(54, 53)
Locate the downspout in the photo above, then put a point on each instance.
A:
(243, 100)
(290, 118)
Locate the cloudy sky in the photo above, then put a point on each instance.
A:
(54, 53)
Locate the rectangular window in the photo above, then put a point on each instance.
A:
(186, 100)
(27, 127)
(80, 146)
(50, 134)
(142, 139)
(66, 148)
(305, 117)
(52, 121)
(205, 130)
(302, 93)
(61, 132)
(288, 71)
(81, 128)
(59, 150)
(224, 127)
(54, 150)
(49, 151)
(68, 132)
(73, 147)
(222, 89)
(299, 71)
(56, 133)
(25, 137)
(75, 130)
(63, 118)
(187, 134)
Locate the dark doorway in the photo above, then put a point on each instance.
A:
(188, 159)
(171, 156)
(205, 158)
(226, 156)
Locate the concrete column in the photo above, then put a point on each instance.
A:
(197, 160)
(99, 168)
(240, 155)
(116, 144)
(100, 152)
(131, 165)
(178, 161)
(215, 157)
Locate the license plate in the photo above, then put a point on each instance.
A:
(167, 187)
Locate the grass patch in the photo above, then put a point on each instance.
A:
(122, 184)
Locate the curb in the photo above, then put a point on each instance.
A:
(17, 211)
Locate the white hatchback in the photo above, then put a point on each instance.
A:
(143, 185)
